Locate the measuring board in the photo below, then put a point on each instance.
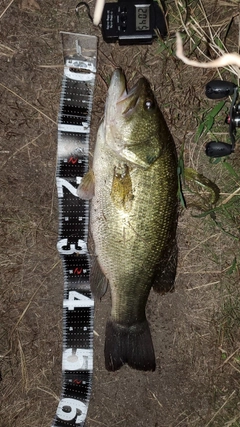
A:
(80, 56)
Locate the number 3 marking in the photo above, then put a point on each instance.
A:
(64, 242)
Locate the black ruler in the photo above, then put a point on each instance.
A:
(80, 55)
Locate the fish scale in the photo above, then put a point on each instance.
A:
(137, 241)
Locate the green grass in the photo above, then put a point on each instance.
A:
(204, 41)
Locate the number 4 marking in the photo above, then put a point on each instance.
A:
(76, 299)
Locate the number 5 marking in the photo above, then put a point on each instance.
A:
(81, 359)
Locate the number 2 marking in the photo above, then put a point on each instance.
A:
(64, 183)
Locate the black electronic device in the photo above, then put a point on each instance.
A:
(218, 89)
(133, 22)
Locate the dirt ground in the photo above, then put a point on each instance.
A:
(195, 330)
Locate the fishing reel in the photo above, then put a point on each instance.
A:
(218, 89)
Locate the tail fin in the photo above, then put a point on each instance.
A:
(132, 345)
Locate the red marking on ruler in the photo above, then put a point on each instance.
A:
(77, 270)
(73, 160)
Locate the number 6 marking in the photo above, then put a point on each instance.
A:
(70, 408)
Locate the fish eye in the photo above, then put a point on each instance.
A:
(149, 104)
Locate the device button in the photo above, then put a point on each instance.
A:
(124, 10)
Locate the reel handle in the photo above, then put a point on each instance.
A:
(218, 89)
(218, 149)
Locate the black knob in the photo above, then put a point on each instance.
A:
(218, 149)
(218, 89)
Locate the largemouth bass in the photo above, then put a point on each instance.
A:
(133, 217)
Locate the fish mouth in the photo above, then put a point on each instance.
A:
(120, 101)
(128, 100)
(117, 88)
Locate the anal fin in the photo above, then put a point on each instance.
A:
(98, 281)
(166, 272)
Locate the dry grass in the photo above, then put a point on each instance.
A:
(198, 337)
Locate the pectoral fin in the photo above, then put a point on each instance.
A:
(121, 192)
(85, 189)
